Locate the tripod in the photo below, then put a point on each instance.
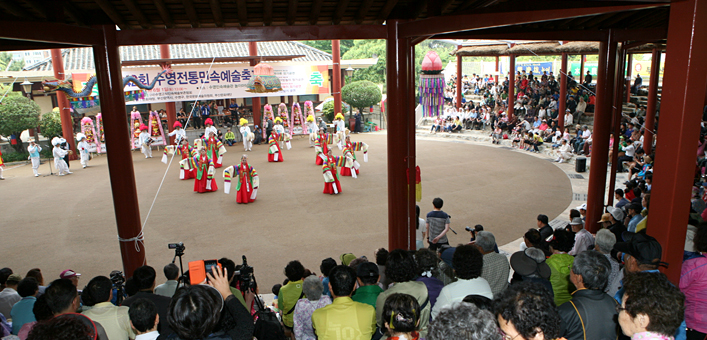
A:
(51, 172)
(179, 252)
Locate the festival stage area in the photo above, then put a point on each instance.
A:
(58, 223)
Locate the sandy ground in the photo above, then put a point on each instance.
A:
(58, 223)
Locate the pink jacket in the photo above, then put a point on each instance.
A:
(693, 283)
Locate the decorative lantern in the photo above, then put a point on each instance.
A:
(263, 80)
(432, 85)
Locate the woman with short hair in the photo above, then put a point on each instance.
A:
(525, 311)
(312, 288)
(651, 308)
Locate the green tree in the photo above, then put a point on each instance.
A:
(361, 94)
(5, 59)
(50, 124)
(17, 65)
(328, 110)
(363, 49)
(16, 115)
(325, 45)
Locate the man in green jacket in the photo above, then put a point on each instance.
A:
(368, 290)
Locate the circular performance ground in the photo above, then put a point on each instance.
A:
(68, 222)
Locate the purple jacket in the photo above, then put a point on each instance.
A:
(434, 286)
(693, 283)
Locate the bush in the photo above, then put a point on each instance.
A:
(50, 124)
(16, 115)
(15, 157)
(328, 111)
(361, 94)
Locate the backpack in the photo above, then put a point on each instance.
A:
(268, 326)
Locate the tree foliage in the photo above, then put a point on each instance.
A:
(5, 59)
(325, 45)
(363, 49)
(361, 94)
(50, 124)
(16, 115)
(328, 110)
(17, 65)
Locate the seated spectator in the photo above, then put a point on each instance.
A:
(560, 262)
(457, 125)
(401, 311)
(617, 226)
(496, 267)
(229, 137)
(564, 152)
(525, 312)
(480, 302)
(36, 273)
(544, 227)
(634, 216)
(368, 289)
(621, 201)
(9, 296)
(604, 243)
(583, 239)
(590, 314)
(530, 265)
(114, 319)
(63, 300)
(381, 258)
(144, 319)
(312, 289)
(464, 321)
(325, 267)
(344, 313)
(402, 270)
(41, 312)
(65, 327)
(171, 272)
(71, 275)
(144, 281)
(290, 294)
(467, 263)
(427, 266)
(22, 310)
(651, 308)
(693, 283)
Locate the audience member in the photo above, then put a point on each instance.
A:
(41, 312)
(36, 273)
(651, 308)
(583, 240)
(312, 288)
(114, 319)
(368, 289)
(9, 296)
(144, 319)
(544, 227)
(437, 225)
(427, 267)
(693, 283)
(560, 263)
(4, 274)
(71, 275)
(381, 258)
(21, 312)
(496, 267)
(144, 280)
(63, 300)
(617, 225)
(64, 327)
(464, 321)
(402, 318)
(171, 272)
(325, 267)
(480, 302)
(467, 264)
(604, 243)
(621, 201)
(290, 294)
(525, 312)
(634, 216)
(530, 265)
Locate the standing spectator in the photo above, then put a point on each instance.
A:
(22, 311)
(368, 289)
(560, 263)
(358, 319)
(437, 225)
(652, 308)
(693, 283)
(464, 321)
(9, 296)
(604, 243)
(304, 309)
(583, 239)
(171, 272)
(496, 267)
(427, 265)
(587, 79)
(591, 312)
(290, 294)
(144, 278)
(114, 319)
(144, 319)
(525, 312)
(196, 115)
(468, 263)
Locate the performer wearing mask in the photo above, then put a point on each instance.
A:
(82, 146)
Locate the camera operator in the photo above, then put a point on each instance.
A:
(195, 311)
(230, 268)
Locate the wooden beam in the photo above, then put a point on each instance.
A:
(191, 13)
(647, 34)
(456, 23)
(13, 8)
(164, 13)
(316, 10)
(267, 12)
(137, 13)
(112, 13)
(75, 13)
(216, 11)
(291, 12)
(445, 5)
(516, 33)
(385, 11)
(362, 11)
(208, 60)
(243, 12)
(339, 12)
(40, 9)
(417, 9)
(51, 33)
(158, 36)
(16, 45)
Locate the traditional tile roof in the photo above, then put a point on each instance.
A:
(82, 58)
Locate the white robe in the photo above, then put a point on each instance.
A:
(83, 151)
(35, 160)
(209, 130)
(179, 135)
(146, 149)
(59, 162)
(247, 141)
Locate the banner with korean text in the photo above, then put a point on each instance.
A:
(188, 83)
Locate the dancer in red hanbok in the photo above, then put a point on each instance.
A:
(214, 149)
(331, 178)
(274, 151)
(349, 166)
(204, 168)
(185, 169)
(321, 146)
(248, 181)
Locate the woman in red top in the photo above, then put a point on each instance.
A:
(204, 180)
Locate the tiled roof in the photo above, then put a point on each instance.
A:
(82, 58)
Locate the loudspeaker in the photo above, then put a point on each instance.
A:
(580, 164)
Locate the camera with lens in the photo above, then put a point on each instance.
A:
(118, 280)
(178, 248)
(246, 279)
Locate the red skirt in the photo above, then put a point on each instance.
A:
(329, 187)
(188, 174)
(271, 157)
(319, 160)
(200, 185)
(347, 171)
(243, 196)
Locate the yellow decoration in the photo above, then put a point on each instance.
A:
(278, 120)
(339, 116)
(310, 118)
(244, 121)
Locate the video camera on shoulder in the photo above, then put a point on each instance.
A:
(198, 270)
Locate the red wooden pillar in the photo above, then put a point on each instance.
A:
(684, 85)
(120, 160)
(171, 108)
(67, 122)
(459, 82)
(652, 101)
(411, 152)
(562, 102)
(600, 136)
(629, 69)
(617, 113)
(253, 51)
(400, 137)
(581, 68)
(511, 86)
(497, 62)
(336, 75)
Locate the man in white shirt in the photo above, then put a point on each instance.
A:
(468, 263)
(568, 119)
(144, 319)
(9, 296)
(564, 153)
(579, 143)
(582, 238)
(171, 272)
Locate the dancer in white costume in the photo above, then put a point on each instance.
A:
(59, 155)
(34, 149)
(145, 141)
(313, 128)
(82, 146)
(247, 135)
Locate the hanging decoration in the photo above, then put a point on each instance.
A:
(267, 114)
(135, 122)
(101, 139)
(89, 130)
(263, 80)
(156, 131)
(284, 115)
(432, 85)
(297, 126)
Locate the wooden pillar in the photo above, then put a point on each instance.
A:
(581, 68)
(600, 136)
(511, 86)
(120, 160)
(562, 102)
(629, 69)
(411, 152)
(497, 62)
(617, 113)
(652, 101)
(684, 85)
(400, 136)
(253, 51)
(336, 75)
(67, 122)
(171, 108)
(459, 82)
